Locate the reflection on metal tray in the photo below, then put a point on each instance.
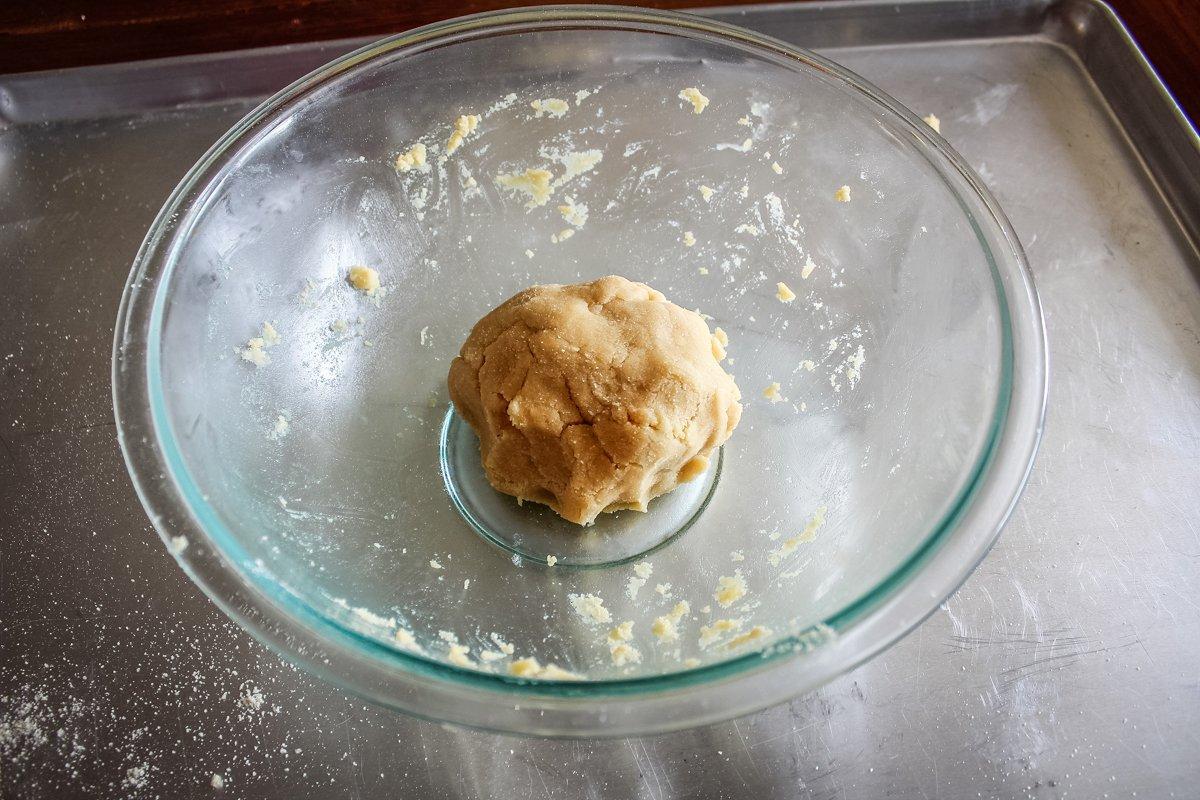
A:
(1065, 665)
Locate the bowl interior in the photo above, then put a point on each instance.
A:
(890, 361)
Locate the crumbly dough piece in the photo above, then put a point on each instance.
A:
(593, 397)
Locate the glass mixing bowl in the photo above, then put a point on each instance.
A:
(331, 501)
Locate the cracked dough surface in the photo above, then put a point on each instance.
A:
(593, 397)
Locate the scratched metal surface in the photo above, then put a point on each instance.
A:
(1065, 667)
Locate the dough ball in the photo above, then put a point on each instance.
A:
(593, 397)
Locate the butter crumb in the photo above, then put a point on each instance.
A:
(692, 95)
(706, 193)
(689, 239)
(808, 268)
(745, 120)
(750, 229)
(737, 555)
(533, 183)
(933, 122)
(415, 158)
(529, 254)
(730, 589)
(778, 170)
(563, 235)
(842, 195)
(808, 365)
(691, 663)
(783, 293)
(551, 561)
(364, 279)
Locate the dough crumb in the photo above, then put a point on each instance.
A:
(414, 158)
(933, 122)
(364, 279)
(407, 641)
(745, 120)
(524, 668)
(459, 655)
(842, 195)
(808, 268)
(552, 106)
(624, 653)
(737, 555)
(553, 672)
(808, 365)
(707, 193)
(750, 229)
(772, 393)
(621, 633)
(710, 634)
(577, 163)
(502, 645)
(666, 627)
(464, 126)
(807, 535)
(574, 213)
(435, 564)
(730, 589)
(692, 95)
(783, 293)
(721, 336)
(590, 608)
(703, 271)
(563, 235)
(551, 561)
(757, 632)
(689, 239)
(643, 569)
(255, 350)
(217, 781)
(534, 183)
(529, 254)
(691, 663)
(490, 656)
(778, 170)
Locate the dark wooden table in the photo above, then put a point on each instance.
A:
(47, 34)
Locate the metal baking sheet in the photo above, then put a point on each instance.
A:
(1065, 666)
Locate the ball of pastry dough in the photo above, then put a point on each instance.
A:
(593, 397)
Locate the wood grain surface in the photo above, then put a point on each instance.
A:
(47, 34)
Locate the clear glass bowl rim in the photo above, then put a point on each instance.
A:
(434, 690)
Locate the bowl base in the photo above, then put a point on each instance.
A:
(533, 531)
